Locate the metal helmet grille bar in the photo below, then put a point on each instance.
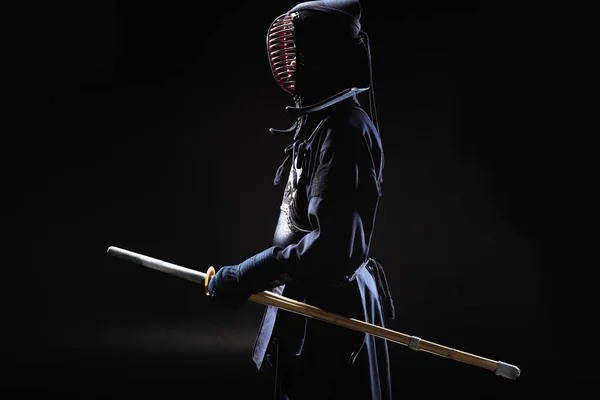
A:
(281, 47)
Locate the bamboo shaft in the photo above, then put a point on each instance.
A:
(272, 299)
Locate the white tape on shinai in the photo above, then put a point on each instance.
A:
(414, 343)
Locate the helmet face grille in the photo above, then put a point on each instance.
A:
(281, 48)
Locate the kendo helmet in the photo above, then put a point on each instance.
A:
(318, 47)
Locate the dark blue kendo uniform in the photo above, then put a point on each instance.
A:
(320, 255)
(323, 237)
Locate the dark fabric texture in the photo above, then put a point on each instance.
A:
(225, 288)
(335, 362)
(341, 177)
(320, 255)
(324, 261)
(233, 285)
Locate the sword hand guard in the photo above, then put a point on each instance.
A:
(210, 272)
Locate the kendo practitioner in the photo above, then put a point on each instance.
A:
(320, 251)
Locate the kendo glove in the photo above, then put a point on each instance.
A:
(233, 285)
(225, 287)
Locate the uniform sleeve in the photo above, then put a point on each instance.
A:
(337, 245)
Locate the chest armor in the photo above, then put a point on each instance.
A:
(293, 222)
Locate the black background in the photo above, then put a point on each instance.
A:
(145, 126)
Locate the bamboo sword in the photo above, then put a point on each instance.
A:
(272, 299)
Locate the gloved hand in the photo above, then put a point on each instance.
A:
(225, 287)
(233, 285)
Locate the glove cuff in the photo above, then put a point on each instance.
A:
(262, 271)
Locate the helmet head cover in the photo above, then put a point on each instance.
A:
(317, 49)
